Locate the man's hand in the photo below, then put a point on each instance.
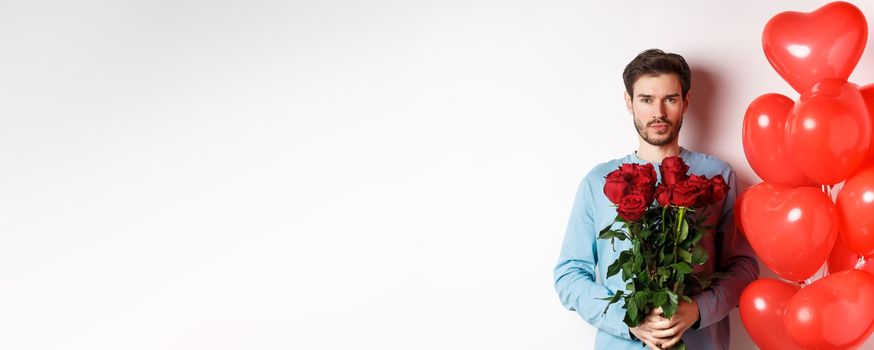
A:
(645, 330)
(667, 332)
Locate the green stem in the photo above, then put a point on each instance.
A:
(680, 220)
(664, 211)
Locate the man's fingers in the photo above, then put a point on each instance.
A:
(646, 337)
(666, 333)
(657, 311)
(654, 318)
(668, 344)
(659, 325)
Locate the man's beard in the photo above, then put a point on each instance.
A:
(644, 134)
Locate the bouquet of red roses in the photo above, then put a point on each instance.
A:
(664, 222)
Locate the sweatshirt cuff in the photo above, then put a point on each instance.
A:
(705, 309)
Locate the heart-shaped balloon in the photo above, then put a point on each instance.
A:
(764, 140)
(856, 211)
(836, 312)
(792, 230)
(867, 92)
(829, 132)
(762, 306)
(805, 48)
(842, 259)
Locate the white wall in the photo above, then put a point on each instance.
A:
(328, 174)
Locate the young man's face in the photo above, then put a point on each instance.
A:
(657, 106)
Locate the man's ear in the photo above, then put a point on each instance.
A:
(628, 103)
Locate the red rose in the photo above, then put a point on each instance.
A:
(673, 170)
(706, 187)
(616, 186)
(688, 194)
(663, 195)
(632, 207)
(644, 175)
(648, 192)
(629, 170)
(720, 189)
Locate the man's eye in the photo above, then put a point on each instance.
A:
(645, 100)
(672, 100)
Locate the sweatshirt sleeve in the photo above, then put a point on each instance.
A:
(574, 275)
(736, 259)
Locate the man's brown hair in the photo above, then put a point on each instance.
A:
(657, 62)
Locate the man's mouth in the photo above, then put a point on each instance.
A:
(659, 126)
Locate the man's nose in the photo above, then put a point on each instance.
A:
(660, 109)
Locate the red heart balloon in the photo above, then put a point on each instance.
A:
(792, 230)
(842, 259)
(829, 132)
(867, 92)
(762, 306)
(856, 210)
(805, 48)
(764, 140)
(836, 312)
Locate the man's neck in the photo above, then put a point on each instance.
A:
(655, 154)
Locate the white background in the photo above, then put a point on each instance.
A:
(329, 174)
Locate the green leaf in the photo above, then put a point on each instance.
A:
(613, 300)
(682, 267)
(645, 233)
(625, 256)
(669, 258)
(660, 298)
(664, 272)
(641, 299)
(644, 278)
(699, 256)
(610, 234)
(620, 234)
(631, 306)
(614, 268)
(670, 307)
(685, 255)
(697, 237)
(627, 271)
(662, 238)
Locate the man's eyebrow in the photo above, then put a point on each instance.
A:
(650, 96)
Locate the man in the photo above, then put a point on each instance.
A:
(657, 94)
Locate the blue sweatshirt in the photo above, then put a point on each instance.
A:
(579, 288)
